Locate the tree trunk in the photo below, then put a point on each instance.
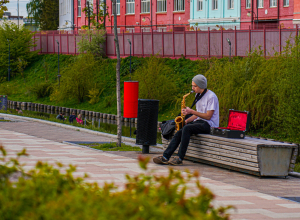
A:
(119, 115)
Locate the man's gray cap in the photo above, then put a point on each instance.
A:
(200, 81)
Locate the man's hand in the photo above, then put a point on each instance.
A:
(188, 111)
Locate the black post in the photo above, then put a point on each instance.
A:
(8, 74)
(97, 6)
(229, 42)
(130, 57)
(104, 14)
(88, 13)
(58, 63)
(257, 14)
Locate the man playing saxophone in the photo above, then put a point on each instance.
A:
(204, 117)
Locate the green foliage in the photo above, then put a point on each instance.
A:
(92, 41)
(76, 79)
(21, 42)
(136, 62)
(3, 8)
(45, 13)
(155, 81)
(47, 193)
(94, 94)
(42, 90)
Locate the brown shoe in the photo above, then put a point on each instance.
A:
(160, 160)
(175, 161)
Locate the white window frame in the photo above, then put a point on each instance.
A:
(118, 7)
(146, 29)
(286, 3)
(179, 5)
(214, 4)
(130, 30)
(230, 4)
(273, 3)
(161, 5)
(162, 29)
(260, 3)
(248, 3)
(130, 6)
(145, 6)
(79, 8)
(200, 5)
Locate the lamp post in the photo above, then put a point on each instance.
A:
(58, 76)
(256, 15)
(144, 19)
(18, 13)
(8, 74)
(130, 78)
(130, 57)
(229, 42)
(88, 6)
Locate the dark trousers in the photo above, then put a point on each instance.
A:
(182, 137)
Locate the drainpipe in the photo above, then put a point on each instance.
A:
(257, 13)
(72, 15)
(278, 11)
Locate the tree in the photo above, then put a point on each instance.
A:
(3, 8)
(119, 122)
(45, 13)
(21, 42)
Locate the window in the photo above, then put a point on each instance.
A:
(260, 3)
(248, 3)
(79, 8)
(145, 6)
(129, 6)
(101, 7)
(161, 5)
(145, 29)
(200, 5)
(118, 7)
(161, 29)
(286, 2)
(215, 4)
(130, 30)
(178, 5)
(230, 4)
(273, 3)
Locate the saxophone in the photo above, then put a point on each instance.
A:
(180, 120)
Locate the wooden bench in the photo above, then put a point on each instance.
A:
(250, 155)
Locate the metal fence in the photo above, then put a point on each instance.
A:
(190, 44)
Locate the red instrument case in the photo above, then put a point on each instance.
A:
(238, 124)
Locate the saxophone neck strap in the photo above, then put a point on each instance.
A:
(198, 97)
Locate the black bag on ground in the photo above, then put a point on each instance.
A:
(167, 128)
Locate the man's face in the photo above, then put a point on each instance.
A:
(195, 88)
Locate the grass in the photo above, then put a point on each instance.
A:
(112, 147)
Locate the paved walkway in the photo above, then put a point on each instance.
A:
(254, 198)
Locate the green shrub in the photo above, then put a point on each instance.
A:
(46, 193)
(42, 90)
(76, 79)
(21, 42)
(155, 82)
(92, 41)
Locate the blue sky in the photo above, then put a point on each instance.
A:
(12, 7)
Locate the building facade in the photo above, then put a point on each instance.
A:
(258, 14)
(135, 15)
(296, 20)
(215, 14)
(66, 15)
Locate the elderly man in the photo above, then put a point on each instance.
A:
(204, 117)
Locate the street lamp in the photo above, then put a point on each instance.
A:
(144, 19)
(229, 42)
(256, 15)
(130, 57)
(8, 75)
(58, 63)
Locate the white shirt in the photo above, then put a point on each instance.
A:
(209, 102)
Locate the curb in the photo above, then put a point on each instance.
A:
(294, 174)
(124, 139)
